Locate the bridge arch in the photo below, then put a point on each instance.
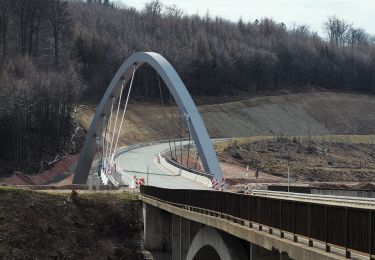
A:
(181, 96)
(209, 243)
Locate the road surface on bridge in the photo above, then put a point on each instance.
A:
(136, 161)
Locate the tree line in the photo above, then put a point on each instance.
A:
(215, 56)
(55, 53)
(39, 84)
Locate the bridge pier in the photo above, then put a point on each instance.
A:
(185, 239)
(176, 237)
(157, 229)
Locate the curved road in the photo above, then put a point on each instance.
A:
(136, 161)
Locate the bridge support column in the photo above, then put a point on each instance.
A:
(176, 237)
(157, 229)
(180, 237)
(185, 237)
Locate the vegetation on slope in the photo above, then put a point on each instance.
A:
(56, 224)
(319, 158)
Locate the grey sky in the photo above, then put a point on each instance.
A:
(310, 12)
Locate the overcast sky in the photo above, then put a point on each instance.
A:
(310, 12)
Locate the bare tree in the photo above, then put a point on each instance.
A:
(21, 15)
(5, 6)
(336, 29)
(174, 11)
(356, 36)
(57, 16)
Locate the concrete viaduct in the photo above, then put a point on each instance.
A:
(196, 231)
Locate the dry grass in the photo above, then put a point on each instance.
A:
(57, 225)
(324, 159)
(348, 139)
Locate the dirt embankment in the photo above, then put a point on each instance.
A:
(57, 225)
(308, 160)
(61, 173)
(313, 113)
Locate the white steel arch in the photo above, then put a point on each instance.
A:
(181, 96)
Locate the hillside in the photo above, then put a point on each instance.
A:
(331, 158)
(59, 58)
(57, 225)
(314, 113)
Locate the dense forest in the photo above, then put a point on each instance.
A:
(55, 53)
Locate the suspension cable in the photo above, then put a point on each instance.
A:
(104, 137)
(126, 105)
(196, 160)
(110, 123)
(118, 109)
(169, 141)
(100, 152)
(181, 136)
(174, 139)
(188, 154)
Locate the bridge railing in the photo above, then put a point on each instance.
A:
(349, 228)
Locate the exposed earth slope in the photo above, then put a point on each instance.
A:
(313, 113)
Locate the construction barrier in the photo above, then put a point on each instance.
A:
(139, 182)
(222, 184)
(215, 184)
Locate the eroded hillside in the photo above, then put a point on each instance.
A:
(296, 114)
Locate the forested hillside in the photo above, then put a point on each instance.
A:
(56, 53)
(215, 56)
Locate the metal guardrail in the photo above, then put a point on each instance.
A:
(183, 167)
(355, 202)
(348, 228)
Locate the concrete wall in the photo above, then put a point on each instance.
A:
(157, 226)
(191, 176)
(345, 193)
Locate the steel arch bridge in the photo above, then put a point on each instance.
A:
(180, 94)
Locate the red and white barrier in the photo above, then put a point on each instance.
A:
(215, 184)
(139, 182)
(222, 184)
